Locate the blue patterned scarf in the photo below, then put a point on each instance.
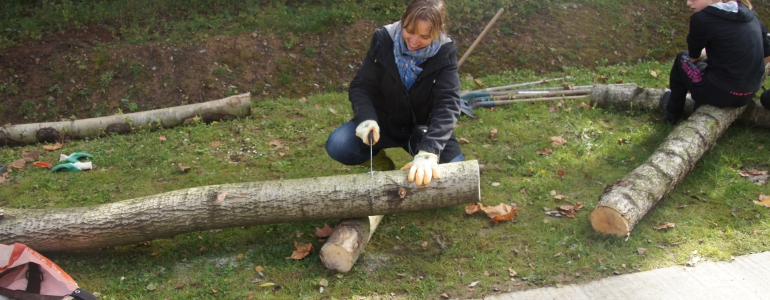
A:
(408, 61)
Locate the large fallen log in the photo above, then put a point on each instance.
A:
(222, 109)
(233, 205)
(345, 245)
(627, 200)
(649, 99)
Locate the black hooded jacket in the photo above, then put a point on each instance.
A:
(377, 93)
(735, 46)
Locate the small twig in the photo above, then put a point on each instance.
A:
(440, 244)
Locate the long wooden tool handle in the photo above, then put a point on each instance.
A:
(478, 39)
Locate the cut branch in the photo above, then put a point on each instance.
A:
(223, 109)
(626, 201)
(233, 205)
(345, 245)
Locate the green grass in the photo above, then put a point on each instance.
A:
(206, 263)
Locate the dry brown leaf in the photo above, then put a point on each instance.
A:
(332, 110)
(560, 172)
(751, 172)
(654, 73)
(493, 132)
(568, 210)
(464, 140)
(619, 81)
(511, 272)
(602, 79)
(162, 138)
(239, 256)
(31, 155)
(584, 105)
(472, 208)
(478, 82)
(18, 164)
(221, 196)
(53, 147)
(182, 168)
(275, 143)
(557, 141)
(302, 100)
(763, 200)
(545, 151)
(501, 212)
(324, 232)
(217, 144)
(259, 268)
(556, 107)
(179, 285)
(302, 251)
(664, 226)
(559, 197)
(567, 86)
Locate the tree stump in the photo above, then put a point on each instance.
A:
(345, 245)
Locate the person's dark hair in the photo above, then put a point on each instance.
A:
(431, 11)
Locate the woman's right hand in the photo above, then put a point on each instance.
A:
(363, 129)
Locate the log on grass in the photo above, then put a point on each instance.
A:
(627, 200)
(631, 97)
(345, 245)
(234, 205)
(223, 109)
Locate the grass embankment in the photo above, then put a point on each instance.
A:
(712, 208)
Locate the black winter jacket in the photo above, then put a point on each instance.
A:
(735, 45)
(377, 93)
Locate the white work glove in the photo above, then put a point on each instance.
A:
(423, 168)
(365, 127)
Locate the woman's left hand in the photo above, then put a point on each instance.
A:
(423, 168)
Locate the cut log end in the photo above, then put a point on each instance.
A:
(609, 221)
(336, 258)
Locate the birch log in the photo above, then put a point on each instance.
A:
(626, 201)
(632, 97)
(345, 245)
(222, 109)
(233, 205)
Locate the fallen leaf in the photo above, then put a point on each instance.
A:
(557, 141)
(664, 226)
(424, 244)
(275, 143)
(567, 86)
(584, 105)
(653, 73)
(302, 251)
(221, 196)
(31, 155)
(332, 110)
(558, 254)
(472, 208)
(560, 172)
(182, 168)
(511, 272)
(478, 82)
(323, 282)
(473, 284)
(763, 200)
(501, 212)
(259, 268)
(445, 295)
(495, 184)
(151, 287)
(217, 144)
(53, 147)
(544, 151)
(266, 284)
(214, 291)
(493, 132)
(43, 164)
(602, 79)
(559, 197)
(556, 107)
(641, 251)
(162, 138)
(18, 164)
(179, 285)
(326, 231)
(619, 81)
(239, 256)
(464, 140)
(302, 100)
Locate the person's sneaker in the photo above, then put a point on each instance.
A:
(668, 114)
(381, 162)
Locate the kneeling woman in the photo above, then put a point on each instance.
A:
(406, 94)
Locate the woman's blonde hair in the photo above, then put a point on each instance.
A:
(431, 11)
(744, 2)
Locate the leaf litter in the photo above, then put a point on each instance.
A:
(496, 214)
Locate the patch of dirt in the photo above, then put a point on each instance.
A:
(91, 73)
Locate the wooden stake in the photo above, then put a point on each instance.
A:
(478, 39)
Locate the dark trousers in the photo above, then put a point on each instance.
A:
(688, 76)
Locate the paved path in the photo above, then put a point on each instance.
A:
(745, 278)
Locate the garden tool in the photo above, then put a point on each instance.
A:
(371, 165)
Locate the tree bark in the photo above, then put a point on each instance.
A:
(222, 109)
(649, 99)
(626, 201)
(233, 205)
(345, 245)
